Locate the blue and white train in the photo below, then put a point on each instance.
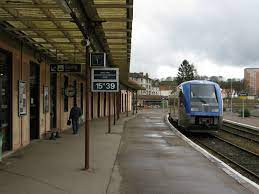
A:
(198, 106)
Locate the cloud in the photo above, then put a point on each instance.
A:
(221, 34)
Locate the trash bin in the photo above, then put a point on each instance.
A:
(1, 144)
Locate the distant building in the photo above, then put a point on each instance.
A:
(251, 77)
(167, 87)
(151, 86)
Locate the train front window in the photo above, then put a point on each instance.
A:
(203, 93)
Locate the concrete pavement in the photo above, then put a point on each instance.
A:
(153, 160)
(55, 167)
(148, 159)
(254, 121)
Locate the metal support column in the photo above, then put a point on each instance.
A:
(109, 112)
(114, 108)
(87, 113)
(132, 102)
(118, 105)
(127, 103)
(136, 102)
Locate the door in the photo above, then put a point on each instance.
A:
(5, 99)
(34, 100)
(53, 100)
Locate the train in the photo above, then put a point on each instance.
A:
(197, 106)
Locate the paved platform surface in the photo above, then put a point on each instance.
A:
(55, 167)
(254, 121)
(153, 160)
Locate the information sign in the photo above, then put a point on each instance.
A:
(98, 59)
(22, 98)
(243, 96)
(46, 99)
(55, 68)
(105, 80)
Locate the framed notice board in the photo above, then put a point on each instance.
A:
(22, 98)
(46, 99)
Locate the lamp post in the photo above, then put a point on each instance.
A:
(231, 96)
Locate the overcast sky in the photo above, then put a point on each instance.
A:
(220, 37)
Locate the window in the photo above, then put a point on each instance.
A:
(203, 93)
(65, 96)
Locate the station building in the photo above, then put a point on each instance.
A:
(37, 33)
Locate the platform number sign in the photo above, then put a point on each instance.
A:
(105, 80)
(98, 60)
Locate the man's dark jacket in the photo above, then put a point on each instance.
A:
(75, 113)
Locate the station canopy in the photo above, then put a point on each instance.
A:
(57, 28)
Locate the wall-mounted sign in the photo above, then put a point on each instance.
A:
(22, 98)
(98, 59)
(55, 68)
(105, 80)
(46, 99)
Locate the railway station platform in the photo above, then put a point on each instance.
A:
(155, 159)
(142, 155)
(253, 121)
(56, 167)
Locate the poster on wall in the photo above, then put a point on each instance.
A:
(22, 101)
(46, 99)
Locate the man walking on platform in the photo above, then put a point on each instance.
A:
(74, 115)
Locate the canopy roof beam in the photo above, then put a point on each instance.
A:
(113, 5)
(29, 5)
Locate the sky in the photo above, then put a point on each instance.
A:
(220, 37)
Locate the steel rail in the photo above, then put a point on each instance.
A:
(242, 128)
(239, 135)
(229, 159)
(237, 146)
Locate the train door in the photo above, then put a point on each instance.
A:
(34, 100)
(53, 100)
(5, 99)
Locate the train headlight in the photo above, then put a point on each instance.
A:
(215, 110)
(194, 109)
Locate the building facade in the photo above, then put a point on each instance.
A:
(151, 86)
(251, 77)
(33, 100)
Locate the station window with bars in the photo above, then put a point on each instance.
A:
(65, 96)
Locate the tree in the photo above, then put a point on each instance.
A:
(186, 72)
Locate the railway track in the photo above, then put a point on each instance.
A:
(233, 154)
(241, 131)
